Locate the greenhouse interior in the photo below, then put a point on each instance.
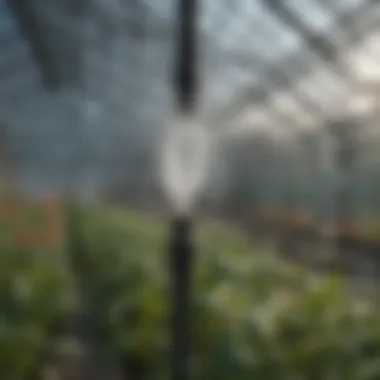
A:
(189, 190)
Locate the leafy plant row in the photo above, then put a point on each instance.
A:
(33, 304)
(255, 316)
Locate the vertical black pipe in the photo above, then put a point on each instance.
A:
(185, 80)
(181, 264)
(181, 249)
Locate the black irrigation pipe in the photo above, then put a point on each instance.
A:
(186, 73)
(181, 250)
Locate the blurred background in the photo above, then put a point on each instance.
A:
(289, 225)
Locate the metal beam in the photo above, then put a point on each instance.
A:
(316, 42)
(345, 21)
(25, 15)
(320, 44)
(273, 79)
(278, 74)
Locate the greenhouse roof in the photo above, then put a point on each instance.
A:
(278, 65)
(298, 61)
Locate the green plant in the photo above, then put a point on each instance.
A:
(32, 303)
(255, 316)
